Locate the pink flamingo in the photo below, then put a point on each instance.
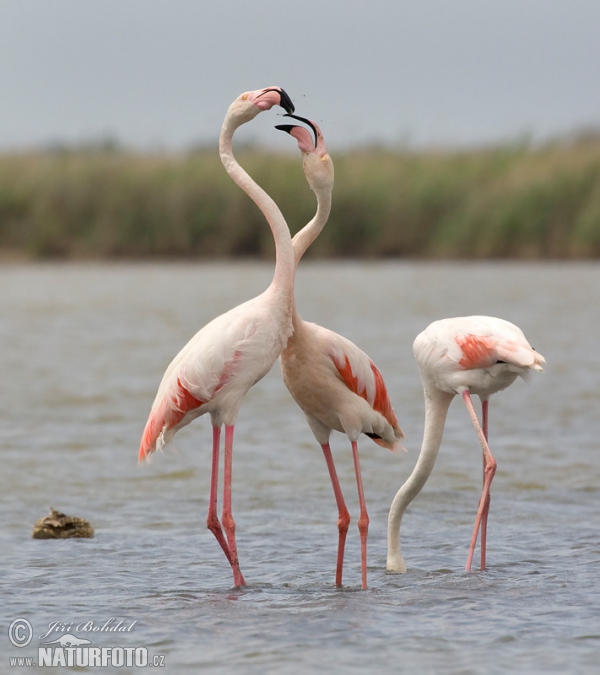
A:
(466, 355)
(216, 368)
(334, 382)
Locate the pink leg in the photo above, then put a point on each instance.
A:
(363, 521)
(484, 517)
(343, 515)
(484, 418)
(489, 469)
(226, 516)
(212, 521)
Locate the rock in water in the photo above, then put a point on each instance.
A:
(59, 526)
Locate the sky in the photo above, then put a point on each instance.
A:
(160, 74)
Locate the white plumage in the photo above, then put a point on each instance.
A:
(333, 381)
(465, 355)
(217, 367)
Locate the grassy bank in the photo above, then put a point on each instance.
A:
(505, 202)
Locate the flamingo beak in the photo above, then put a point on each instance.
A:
(284, 100)
(306, 121)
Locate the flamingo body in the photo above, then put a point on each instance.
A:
(480, 353)
(337, 386)
(468, 355)
(217, 367)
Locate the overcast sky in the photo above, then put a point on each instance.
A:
(161, 73)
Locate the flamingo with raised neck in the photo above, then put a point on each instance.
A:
(334, 382)
(216, 368)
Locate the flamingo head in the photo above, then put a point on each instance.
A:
(247, 105)
(318, 166)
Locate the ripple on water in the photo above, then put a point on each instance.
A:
(95, 340)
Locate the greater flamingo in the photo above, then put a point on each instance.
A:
(334, 382)
(465, 355)
(216, 368)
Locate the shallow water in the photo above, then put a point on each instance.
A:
(82, 349)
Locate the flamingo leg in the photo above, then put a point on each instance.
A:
(363, 521)
(226, 516)
(484, 418)
(489, 469)
(212, 521)
(484, 517)
(343, 514)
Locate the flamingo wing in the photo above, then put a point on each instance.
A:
(209, 361)
(490, 340)
(362, 377)
(473, 342)
(167, 413)
(477, 351)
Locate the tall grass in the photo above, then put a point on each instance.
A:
(513, 201)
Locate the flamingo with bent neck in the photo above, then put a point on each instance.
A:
(465, 355)
(334, 382)
(213, 372)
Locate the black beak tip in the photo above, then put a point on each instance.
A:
(285, 127)
(308, 123)
(286, 102)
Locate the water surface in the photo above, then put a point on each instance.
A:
(82, 349)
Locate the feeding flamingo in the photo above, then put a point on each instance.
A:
(334, 382)
(466, 355)
(216, 368)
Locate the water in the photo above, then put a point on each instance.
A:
(82, 349)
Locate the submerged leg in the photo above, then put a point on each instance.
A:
(343, 514)
(212, 521)
(489, 469)
(226, 516)
(363, 521)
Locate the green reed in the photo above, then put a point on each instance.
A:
(511, 201)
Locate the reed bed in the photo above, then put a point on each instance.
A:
(511, 201)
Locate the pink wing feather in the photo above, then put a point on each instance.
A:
(379, 399)
(483, 351)
(172, 408)
(478, 351)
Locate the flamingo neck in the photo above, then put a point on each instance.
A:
(436, 410)
(306, 236)
(283, 278)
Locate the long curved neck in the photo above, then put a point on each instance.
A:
(305, 237)
(283, 278)
(436, 410)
